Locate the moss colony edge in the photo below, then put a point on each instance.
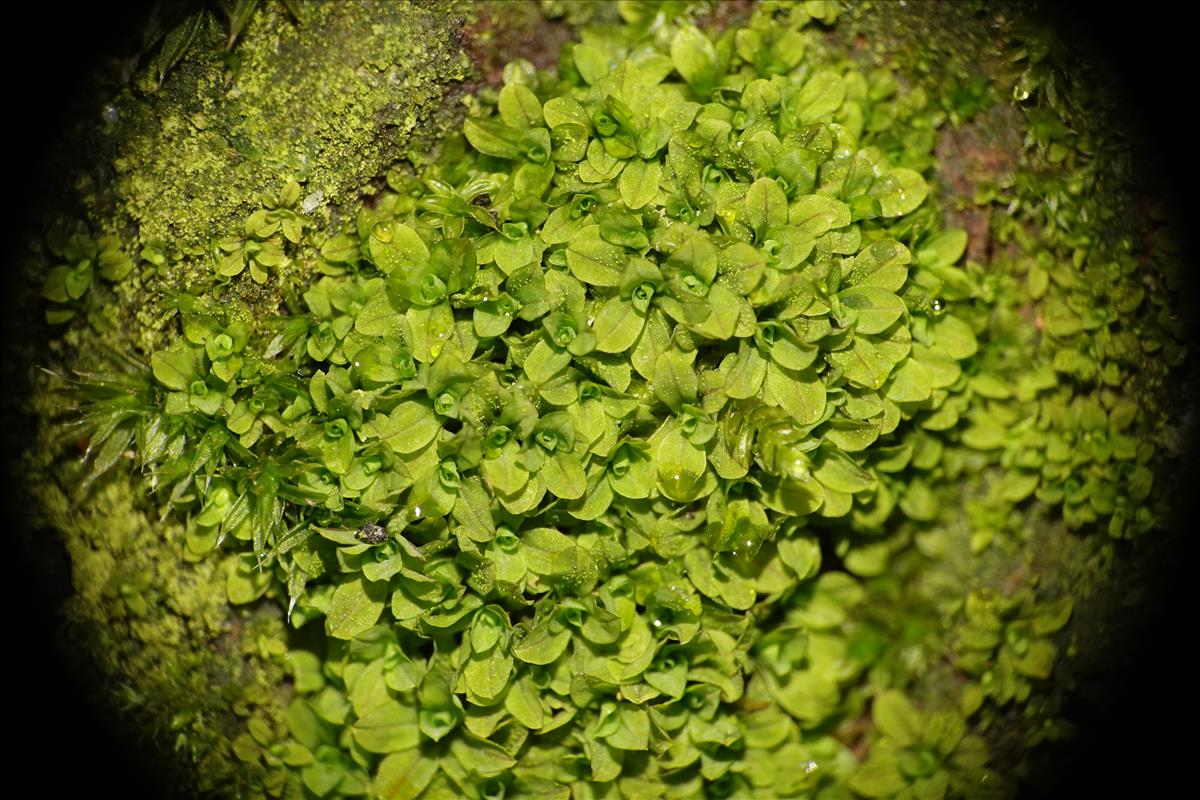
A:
(656, 438)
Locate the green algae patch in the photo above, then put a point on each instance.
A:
(657, 434)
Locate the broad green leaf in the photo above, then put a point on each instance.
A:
(809, 696)
(911, 383)
(872, 308)
(802, 555)
(954, 337)
(882, 264)
(486, 677)
(595, 261)
(899, 191)
(493, 138)
(480, 756)
(695, 59)
(879, 776)
(617, 325)
(675, 379)
(395, 246)
(839, 472)
(766, 206)
(178, 367)
(639, 182)
(404, 775)
(355, 606)
(563, 476)
(820, 96)
(816, 214)
(519, 107)
(388, 728)
(896, 718)
(942, 249)
(1038, 659)
(409, 428)
(798, 392)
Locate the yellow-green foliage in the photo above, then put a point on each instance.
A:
(543, 481)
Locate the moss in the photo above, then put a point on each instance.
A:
(191, 160)
(331, 104)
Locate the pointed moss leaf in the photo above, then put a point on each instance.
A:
(394, 246)
(480, 756)
(724, 313)
(633, 730)
(879, 776)
(911, 383)
(177, 43)
(388, 728)
(747, 375)
(617, 325)
(541, 646)
(695, 59)
(404, 775)
(899, 191)
(487, 676)
(354, 606)
(873, 309)
(493, 138)
(954, 337)
(766, 206)
(943, 248)
(563, 476)
(822, 95)
(565, 110)
(519, 107)
(836, 470)
(675, 379)
(523, 702)
(178, 367)
(882, 264)
(595, 261)
(809, 696)
(473, 510)
(798, 392)
(409, 428)
(1038, 659)
(639, 182)
(816, 214)
(544, 362)
(896, 718)
(802, 555)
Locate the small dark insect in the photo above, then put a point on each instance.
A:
(371, 533)
(482, 200)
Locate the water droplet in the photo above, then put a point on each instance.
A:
(938, 305)
(110, 114)
(810, 768)
(658, 623)
(416, 511)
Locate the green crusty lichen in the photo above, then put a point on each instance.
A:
(692, 424)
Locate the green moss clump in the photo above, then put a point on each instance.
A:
(657, 437)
